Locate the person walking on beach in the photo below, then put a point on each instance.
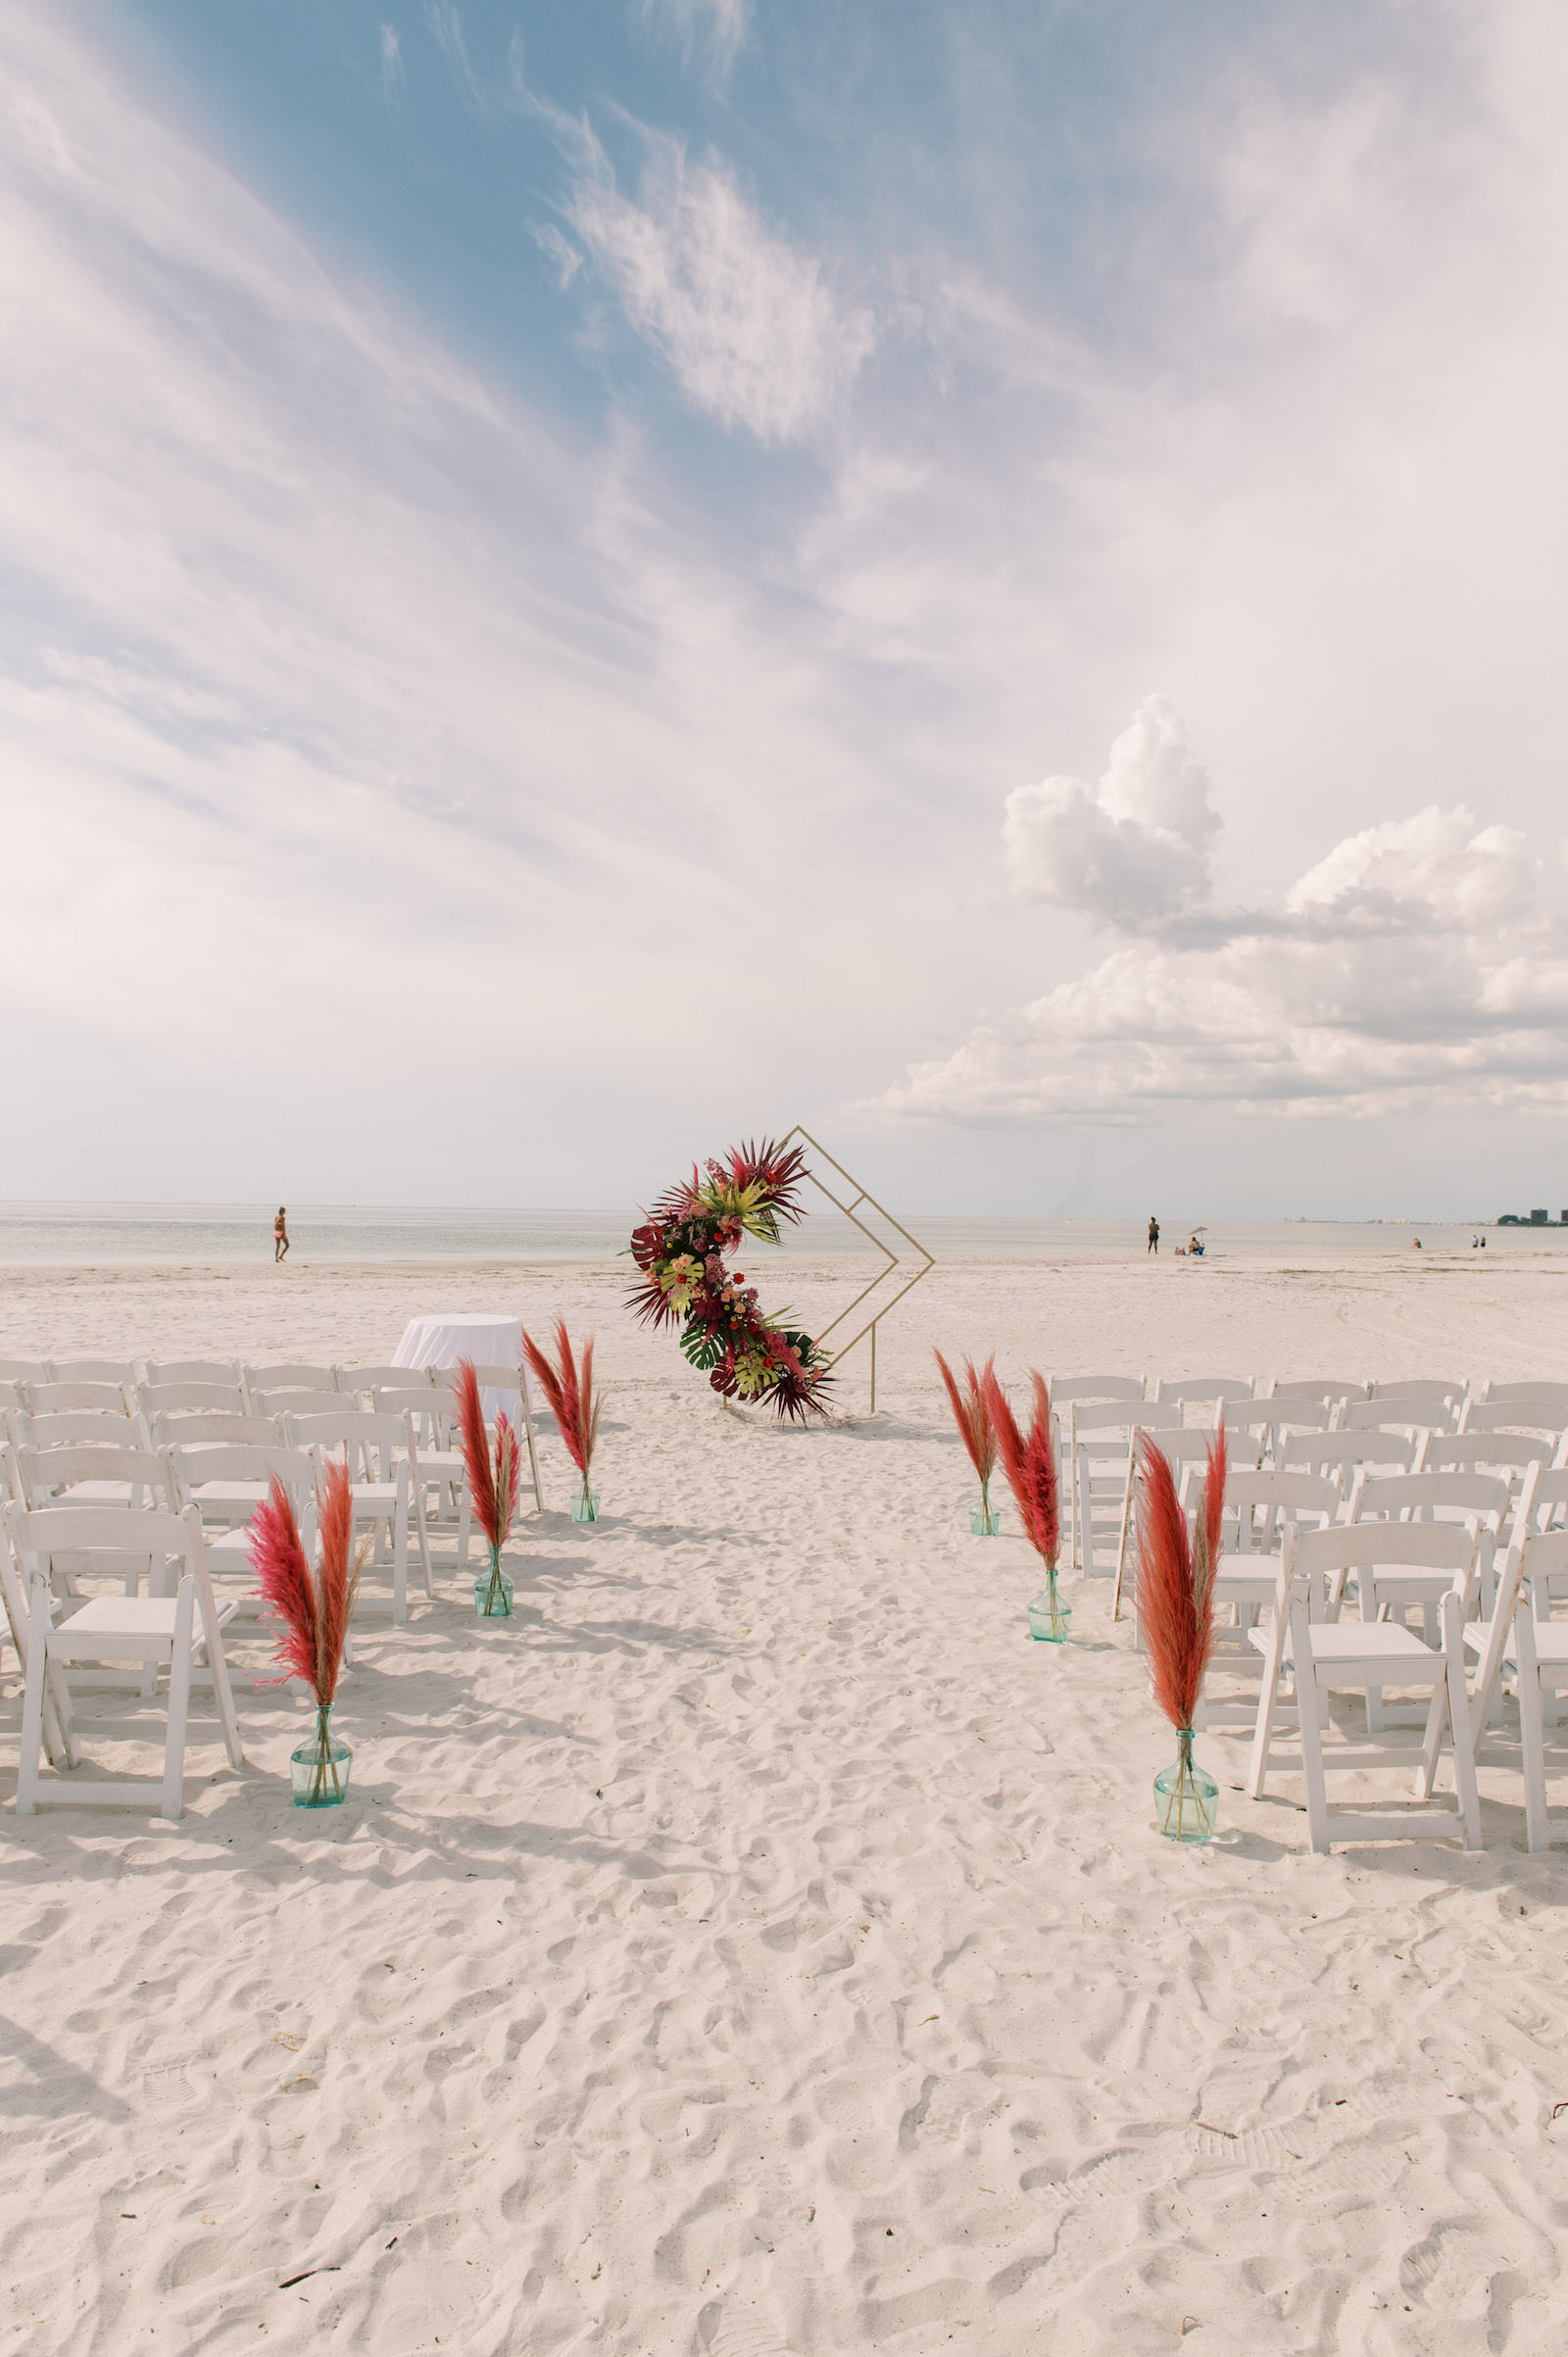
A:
(279, 1235)
(1153, 1233)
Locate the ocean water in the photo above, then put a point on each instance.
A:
(93, 1234)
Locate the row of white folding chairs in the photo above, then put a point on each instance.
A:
(226, 1478)
(1101, 1464)
(1310, 1647)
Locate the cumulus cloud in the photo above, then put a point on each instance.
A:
(1413, 964)
(746, 320)
(1130, 851)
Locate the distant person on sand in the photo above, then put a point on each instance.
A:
(279, 1235)
(1153, 1233)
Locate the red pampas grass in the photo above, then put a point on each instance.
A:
(569, 1389)
(313, 1609)
(1175, 1579)
(1030, 1466)
(973, 1419)
(492, 1485)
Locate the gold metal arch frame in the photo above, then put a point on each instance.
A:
(895, 1264)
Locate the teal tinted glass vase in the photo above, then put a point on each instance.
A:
(1050, 1619)
(492, 1592)
(1186, 1796)
(585, 1506)
(984, 1520)
(319, 1768)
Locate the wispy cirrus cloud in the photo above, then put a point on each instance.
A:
(747, 320)
(714, 29)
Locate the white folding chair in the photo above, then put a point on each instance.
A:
(513, 1384)
(117, 1371)
(225, 1485)
(152, 1631)
(77, 1428)
(1480, 1501)
(1320, 1656)
(1260, 1505)
(380, 1452)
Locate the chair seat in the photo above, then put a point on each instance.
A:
(106, 1621)
(1551, 1643)
(220, 1496)
(1338, 1643)
(95, 1494)
(374, 1494)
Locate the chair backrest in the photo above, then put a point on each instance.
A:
(220, 1430)
(1546, 1566)
(244, 1461)
(1431, 1496)
(1448, 1452)
(181, 1399)
(59, 1398)
(288, 1379)
(1531, 1395)
(1513, 1415)
(308, 1404)
(1421, 1387)
(223, 1371)
(430, 1407)
(1362, 1546)
(1183, 1388)
(1109, 1419)
(1397, 1413)
(1309, 1390)
(510, 1382)
(1548, 1499)
(45, 1470)
(370, 1440)
(369, 1379)
(1343, 1455)
(23, 1370)
(114, 1538)
(92, 1370)
(1260, 1502)
(66, 1427)
(1068, 1388)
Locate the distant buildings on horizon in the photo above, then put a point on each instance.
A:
(1532, 1219)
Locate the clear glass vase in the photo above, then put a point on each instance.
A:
(984, 1520)
(585, 1506)
(1186, 1796)
(1050, 1619)
(492, 1592)
(319, 1768)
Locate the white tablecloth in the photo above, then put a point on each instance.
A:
(445, 1336)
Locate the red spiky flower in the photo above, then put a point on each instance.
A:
(569, 1389)
(1176, 1578)
(313, 1610)
(1030, 1465)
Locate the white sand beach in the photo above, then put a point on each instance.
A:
(759, 1944)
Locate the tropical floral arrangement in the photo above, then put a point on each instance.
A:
(681, 1249)
(492, 1487)
(1029, 1461)
(1176, 1616)
(973, 1416)
(574, 1404)
(313, 1609)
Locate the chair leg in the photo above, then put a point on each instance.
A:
(1464, 1750)
(1268, 1698)
(425, 1541)
(1317, 1796)
(179, 1701)
(400, 1557)
(1538, 1825)
(32, 1741)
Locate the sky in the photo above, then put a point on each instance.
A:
(581, 583)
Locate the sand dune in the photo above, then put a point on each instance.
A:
(760, 1946)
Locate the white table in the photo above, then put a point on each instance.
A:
(444, 1336)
